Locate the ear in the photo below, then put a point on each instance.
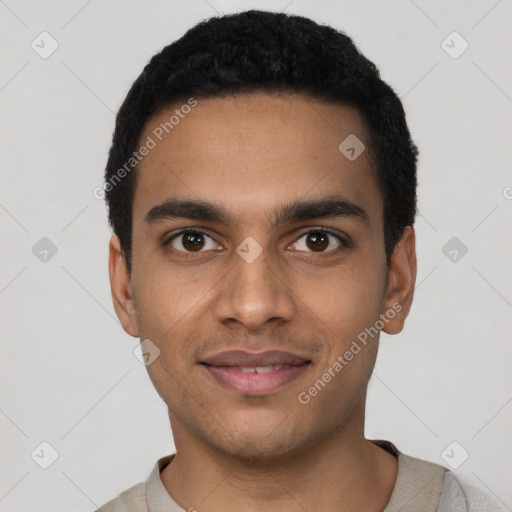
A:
(401, 281)
(121, 288)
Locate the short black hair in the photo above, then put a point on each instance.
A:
(259, 51)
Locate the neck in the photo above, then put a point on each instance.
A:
(343, 472)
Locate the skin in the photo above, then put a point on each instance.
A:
(250, 154)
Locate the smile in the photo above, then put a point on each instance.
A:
(255, 374)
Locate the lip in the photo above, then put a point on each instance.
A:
(244, 358)
(255, 374)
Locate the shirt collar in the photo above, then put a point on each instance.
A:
(157, 497)
(414, 477)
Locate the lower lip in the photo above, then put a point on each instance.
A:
(255, 384)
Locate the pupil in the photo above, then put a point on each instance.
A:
(319, 241)
(193, 241)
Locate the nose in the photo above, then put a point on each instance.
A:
(253, 295)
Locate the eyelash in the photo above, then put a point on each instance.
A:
(344, 242)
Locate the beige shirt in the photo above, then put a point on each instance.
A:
(420, 486)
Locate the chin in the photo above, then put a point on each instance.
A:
(259, 441)
(258, 450)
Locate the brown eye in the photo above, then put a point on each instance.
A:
(192, 241)
(319, 240)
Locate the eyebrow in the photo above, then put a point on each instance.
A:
(296, 211)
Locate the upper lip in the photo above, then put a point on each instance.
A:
(243, 358)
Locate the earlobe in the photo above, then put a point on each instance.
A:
(401, 281)
(121, 288)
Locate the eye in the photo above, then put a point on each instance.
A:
(191, 240)
(319, 240)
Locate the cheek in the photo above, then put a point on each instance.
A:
(347, 301)
(166, 295)
(346, 309)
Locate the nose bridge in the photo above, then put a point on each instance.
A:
(253, 292)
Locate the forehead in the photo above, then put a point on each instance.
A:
(249, 151)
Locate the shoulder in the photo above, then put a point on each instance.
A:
(457, 496)
(425, 486)
(131, 500)
(136, 498)
(418, 485)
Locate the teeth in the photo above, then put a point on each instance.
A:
(260, 369)
(264, 369)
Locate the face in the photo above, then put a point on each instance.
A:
(257, 261)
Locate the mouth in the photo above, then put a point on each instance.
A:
(255, 374)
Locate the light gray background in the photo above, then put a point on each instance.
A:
(69, 375)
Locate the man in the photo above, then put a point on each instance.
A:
(262, 190)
